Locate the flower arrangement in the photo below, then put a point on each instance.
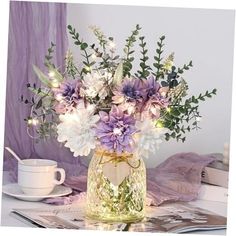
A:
(102, 102)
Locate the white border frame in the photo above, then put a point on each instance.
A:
(205, 4)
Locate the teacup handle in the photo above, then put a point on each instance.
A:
(62, 176)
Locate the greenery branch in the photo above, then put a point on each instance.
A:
(128, 52)
(144, 72)
(158, 58)
(83, 47)
(185, 67)
(48, 57)
(185, 117)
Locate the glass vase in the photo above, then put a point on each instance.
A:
(116, 188)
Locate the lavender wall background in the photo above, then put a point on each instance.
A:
(32, 26)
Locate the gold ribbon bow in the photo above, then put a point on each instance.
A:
(116, 158)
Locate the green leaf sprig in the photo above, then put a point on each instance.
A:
(184, 117)
(158, 58)
(144, 72)
(83, 47)
(128, 52)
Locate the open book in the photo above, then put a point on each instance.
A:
(175, 218)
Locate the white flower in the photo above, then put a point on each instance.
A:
(94, 84)
(149, 138)
(76, 130)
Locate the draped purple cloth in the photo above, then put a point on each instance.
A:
(32, 27)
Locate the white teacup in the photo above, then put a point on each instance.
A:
(38, 177)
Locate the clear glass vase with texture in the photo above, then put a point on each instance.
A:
(116, 188)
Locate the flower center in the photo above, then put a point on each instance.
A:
(117, 131)
(130, 92)
(151, 92)
(68, 91)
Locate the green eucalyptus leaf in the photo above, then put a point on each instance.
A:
(83, 46)
(38, 92)
(39, 104)
(162, 37)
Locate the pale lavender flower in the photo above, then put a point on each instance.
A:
(67, 95)
(152, 87)
(155, 99)
(130, 95)
(68, 90)
(115, 130)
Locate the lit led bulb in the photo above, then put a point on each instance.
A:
(29, 121)
(87, 68)
(159, 124)
(51, 74)
(33, 121)
(55, 83)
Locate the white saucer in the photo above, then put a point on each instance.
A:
(15, 191)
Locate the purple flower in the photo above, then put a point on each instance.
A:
(115, 130)
(155, 100)
(156, 93)
(152, 87)
(67, 95)
(130, 95)
(69, 90)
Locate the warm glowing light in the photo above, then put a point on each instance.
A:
(168, 109)
(112, 44)
(55, 83)
(87, 68)
(33, 121)
(29, 121)
(159, 124)
(51, 74)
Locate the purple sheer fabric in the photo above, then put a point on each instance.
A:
(176, 179)
(32, 27)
